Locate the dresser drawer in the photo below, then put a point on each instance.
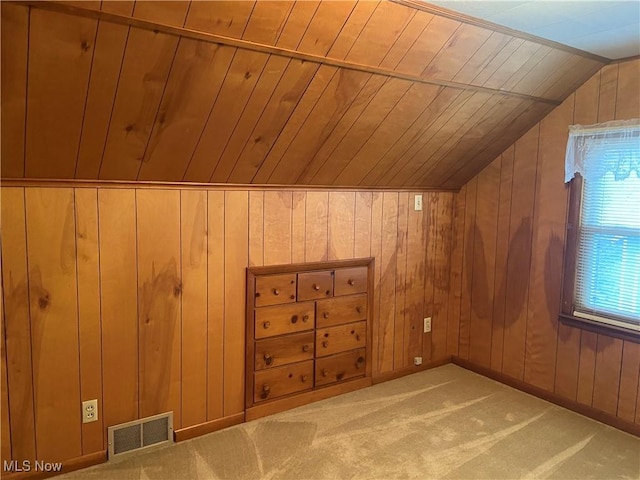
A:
(349, 281)
(314, 285)
(275, 289)
(340, 367)
(279, 320)
(284, 380)
(338, 339)
(278, 351)
(334, 311)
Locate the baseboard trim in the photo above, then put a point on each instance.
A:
(385, 377)
(67, 467)
(585, 410)
(208, 427)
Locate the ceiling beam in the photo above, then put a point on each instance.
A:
(259, 47)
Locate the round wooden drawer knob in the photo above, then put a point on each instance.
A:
(325, 314)
(316, 287)
(325, 344)
(305, 318)
(304, 378)
(359, 309)
(294, 319)
(276, 291)
(351, 282)
(305, 348)
(265, 391)
(268, 359)
(325, 372)
(359, 362)
(266, 325)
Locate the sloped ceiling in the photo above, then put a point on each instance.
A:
(336, 93)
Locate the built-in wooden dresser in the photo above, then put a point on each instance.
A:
(308, 333)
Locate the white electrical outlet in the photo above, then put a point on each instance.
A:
(418, 202)
(417, 361)
(90, 411)
(427, 325)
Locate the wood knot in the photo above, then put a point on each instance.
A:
(43, 301)
(247, 75)
(85, 46)
(257, 139)
(128, 128)
(177, 290)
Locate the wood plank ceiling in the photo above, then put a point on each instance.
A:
(335, 93)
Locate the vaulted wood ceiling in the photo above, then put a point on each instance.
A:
(337, 93)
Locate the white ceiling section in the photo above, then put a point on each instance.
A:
(610, 29)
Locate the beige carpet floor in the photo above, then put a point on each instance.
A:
(445, 423)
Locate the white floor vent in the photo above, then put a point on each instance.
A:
(139, 434)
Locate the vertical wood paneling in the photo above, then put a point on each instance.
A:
(341, 231)
(160, 302)
(194, 243)
(298, 226)
(430, 224)
(606, 381)
(236, 259)
(256, 228)
(502, 251)
(376, 251)
(216, 304)
(414, 281)
(547, 251)
(362, 235)
(5, 428)
(388, 255)
(60, 54)
(15, 284)
(629, 381)
(484, 259)
(90, 339)
(518, 264)
(316, 226)
(14, 46)
(441, 278)
(587, 368)
(51, 250)
(119, 304)
(400, 333)
(277, 227)
(467, 270)
(457, 262)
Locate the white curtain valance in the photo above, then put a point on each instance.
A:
(595, 150)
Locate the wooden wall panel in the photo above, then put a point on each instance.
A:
(528, 342)
(60, 56)
(455, 282)
(399, 347)
(5, 426)
(119, 305)
(430, 224)
(51, 250)
(160, 302)
(277, 227)
(341, 232)
(236, 260)
(471, 195)
(158, 320)
(14, 47)
(17, 322)
(90, 335)
(193, 253)
(215, 304)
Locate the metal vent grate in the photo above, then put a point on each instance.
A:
(140, 434)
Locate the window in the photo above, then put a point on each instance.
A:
(602, 265)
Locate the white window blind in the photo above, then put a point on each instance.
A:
(607, 282)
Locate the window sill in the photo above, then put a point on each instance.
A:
(596, 327)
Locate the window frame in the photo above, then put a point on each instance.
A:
(567, 304)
